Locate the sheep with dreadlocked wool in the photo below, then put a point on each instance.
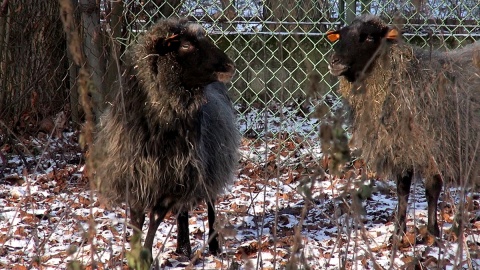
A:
(415, 111)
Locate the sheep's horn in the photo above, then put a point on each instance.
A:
(170, 38)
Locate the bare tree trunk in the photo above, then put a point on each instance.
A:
(153, 10)
(350, 10)
(366, 6)
(341, 10)
(33, 62)
(117, 25)
(226, 15)
(143, 13)
(93, 49)
(167, 8)
(228, 9)
(347, 9)
(73, 75)
(4, 33)
(276, 12)
(227, 4)
(283, 15)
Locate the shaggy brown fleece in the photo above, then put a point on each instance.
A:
(170, 138)
(420, 110)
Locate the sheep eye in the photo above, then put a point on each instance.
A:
(186, 45)
(366, 38)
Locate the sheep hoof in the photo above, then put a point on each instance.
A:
(181, 258)
(434, 231)
(214, 247)
(184, 251)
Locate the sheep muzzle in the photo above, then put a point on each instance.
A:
(337, 69)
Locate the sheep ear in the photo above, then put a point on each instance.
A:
(167, 45)
(392, 34)
(333, 35)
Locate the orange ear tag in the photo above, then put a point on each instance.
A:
(392, 34)
(333, 36)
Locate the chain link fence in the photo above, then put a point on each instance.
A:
(279, 49)
(281, 53)
(276, 45)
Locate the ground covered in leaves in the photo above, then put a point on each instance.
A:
(282, 210)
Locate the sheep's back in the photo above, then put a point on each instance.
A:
(412, 104)
(219, 138)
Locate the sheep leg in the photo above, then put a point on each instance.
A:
(137, 218)
(183, 235)
(213, 245)
(403, 191)
(433, 187)
(157, 214)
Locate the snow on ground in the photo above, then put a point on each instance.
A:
(281, 210)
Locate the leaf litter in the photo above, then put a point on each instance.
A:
(280, 210)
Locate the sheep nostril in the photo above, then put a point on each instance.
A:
(334, 60)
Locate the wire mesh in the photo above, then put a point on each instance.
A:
(278, 46)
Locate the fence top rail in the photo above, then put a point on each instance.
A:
(254, 26)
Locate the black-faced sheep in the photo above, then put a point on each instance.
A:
(170, 139)
(414, 110)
